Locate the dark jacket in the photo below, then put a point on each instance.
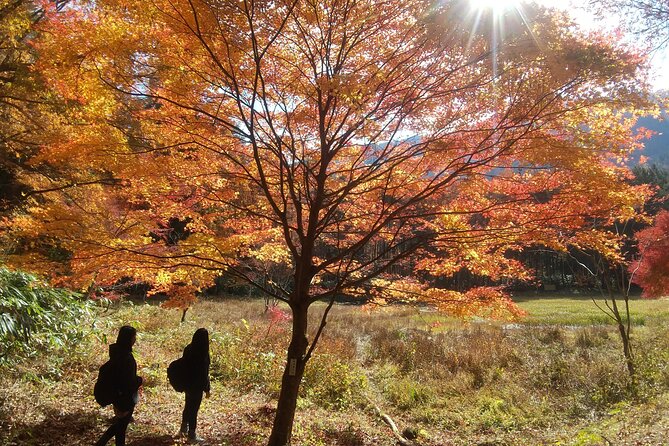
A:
(127, 381)
(196, 367)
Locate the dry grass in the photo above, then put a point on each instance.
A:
(452, 383)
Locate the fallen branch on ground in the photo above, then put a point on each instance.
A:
(385, 417)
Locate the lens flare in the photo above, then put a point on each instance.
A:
(500, 16)
(496, 5)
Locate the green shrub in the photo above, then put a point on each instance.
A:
(36, 317)
(406, 393)
(331, 383)
(244, 362)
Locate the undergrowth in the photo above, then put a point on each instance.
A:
(455, 383)
(36, 318)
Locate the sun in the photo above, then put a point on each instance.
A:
(496, 5)
(495, 19)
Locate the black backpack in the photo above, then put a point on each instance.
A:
(106, 389)
(176, 374)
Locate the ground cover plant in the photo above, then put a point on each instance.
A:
(555, 378)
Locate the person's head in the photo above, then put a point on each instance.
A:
(201, 339)
(126, 337)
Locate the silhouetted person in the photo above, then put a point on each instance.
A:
(196, 379)
(127, 385)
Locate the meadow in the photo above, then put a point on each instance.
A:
(556, 377)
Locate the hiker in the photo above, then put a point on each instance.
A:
(125, 384)
(195, 376)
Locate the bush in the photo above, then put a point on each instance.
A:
(406, 393)
(332, 383)
(248, 358)
(475, 351)
(36, 317)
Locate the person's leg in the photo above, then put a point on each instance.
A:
(193, 401)
(121, 427)
(111, 430)
(109, 433)
(184, 418)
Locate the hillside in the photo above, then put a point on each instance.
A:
(657, 148)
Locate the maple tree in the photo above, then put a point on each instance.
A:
(333, 140)
(617, 261)
(27, 109)
(20, 110)
(652, 265)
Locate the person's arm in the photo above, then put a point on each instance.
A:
(135, 379)
(207, 383)
(128, 383)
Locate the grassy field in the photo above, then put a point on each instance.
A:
(570, 309)
(555, 378)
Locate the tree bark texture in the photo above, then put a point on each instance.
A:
(290, 383)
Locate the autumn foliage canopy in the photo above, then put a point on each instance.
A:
(335, 138)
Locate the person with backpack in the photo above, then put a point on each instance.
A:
(193, 374)
(118, 384)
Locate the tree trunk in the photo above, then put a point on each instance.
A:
(623, 329)
(290, 383)
(627, 348)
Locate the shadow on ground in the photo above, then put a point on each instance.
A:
(83, 428)
(76, 428)
(55, 429)
(150, 440)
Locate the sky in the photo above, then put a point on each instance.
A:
(585, 17)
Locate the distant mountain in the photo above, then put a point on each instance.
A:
(657, 147)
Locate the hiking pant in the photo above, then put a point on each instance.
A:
(189, 416)
(117, 430)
